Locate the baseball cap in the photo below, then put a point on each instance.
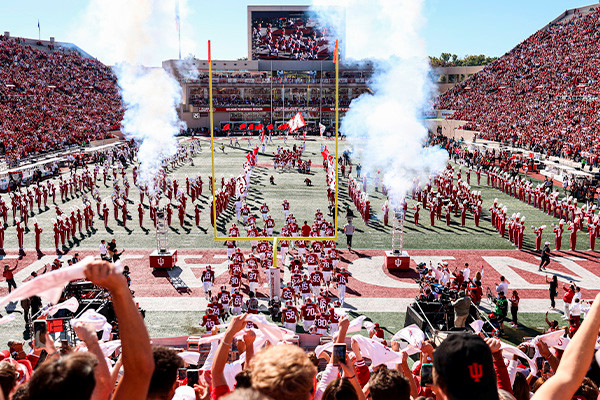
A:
(464, 366)
(184, 393)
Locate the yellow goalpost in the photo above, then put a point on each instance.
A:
(212, 147)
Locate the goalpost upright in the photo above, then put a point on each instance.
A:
(212, 146)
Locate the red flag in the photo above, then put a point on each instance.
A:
(325, 153)
(262, 136)
(250, 127)
(249, 156)
(226, 127)
(256, 150)
(270, 126)
(243, 126)
(209, 57)
(296, 122)
(282, 127)
(258, 127)
(336, 53)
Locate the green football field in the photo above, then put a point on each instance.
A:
(304, 201)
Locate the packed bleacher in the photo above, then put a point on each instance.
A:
(543, 95)
(253, 357)
(50, 100)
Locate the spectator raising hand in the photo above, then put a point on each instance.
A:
(86, 373)
(219, 384)
(138, 362)
(88, 335)
(575, 361)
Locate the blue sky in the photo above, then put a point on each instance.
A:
(456, 26)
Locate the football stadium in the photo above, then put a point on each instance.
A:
(333, 214)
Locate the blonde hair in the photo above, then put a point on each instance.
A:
(284, 373)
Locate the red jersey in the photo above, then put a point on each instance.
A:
(296, 267)
(253, 262)
(323, 303)
(236, 299)
(216, 307)
(305, 230)
(334, 254)
(327, 264)
(253, 275)
(237, 258)
(296, 279)
(289, 314)
(235, 280)
(287, 294)
(209, 321)
(317, 247)
(224, 297)
(321, 321)
(342, 278)
(312, 259)
(235, 269)
(208, 276)
(305, 286)
(315, 278)
(333, 317)
(309, 311)
(264, 209)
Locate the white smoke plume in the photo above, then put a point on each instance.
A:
(134, 34)
(187, 68)
(385, 127)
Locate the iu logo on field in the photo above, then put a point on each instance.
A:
(161, 261)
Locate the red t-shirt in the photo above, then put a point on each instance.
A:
(219, 391)
(305, 230)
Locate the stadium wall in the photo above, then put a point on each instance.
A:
(451, 128)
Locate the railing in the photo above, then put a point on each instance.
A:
(281, 80)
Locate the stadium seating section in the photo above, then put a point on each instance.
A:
(52, 99)
(543, 95)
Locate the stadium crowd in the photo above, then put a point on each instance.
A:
(53, 99)
(255, 359)
(542, 95)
